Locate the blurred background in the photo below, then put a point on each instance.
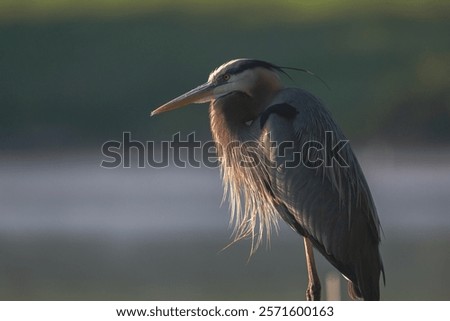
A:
(75, 74)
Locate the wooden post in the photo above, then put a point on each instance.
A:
(333, 286)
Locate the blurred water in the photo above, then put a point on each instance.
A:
(70, 229)
(76, 195)
(82, 198)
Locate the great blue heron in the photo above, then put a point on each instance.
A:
(326, 201)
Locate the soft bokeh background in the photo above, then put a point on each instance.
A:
(74, 74)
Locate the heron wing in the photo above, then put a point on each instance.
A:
(324, 199)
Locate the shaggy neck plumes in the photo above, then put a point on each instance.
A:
(251, 203)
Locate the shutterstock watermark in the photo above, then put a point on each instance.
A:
(189, 151)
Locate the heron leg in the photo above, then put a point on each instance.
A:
(313, 290)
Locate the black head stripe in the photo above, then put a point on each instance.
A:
(253, 63)
(250, 64)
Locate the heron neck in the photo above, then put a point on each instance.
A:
(229, 114)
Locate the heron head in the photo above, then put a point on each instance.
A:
(246, 76)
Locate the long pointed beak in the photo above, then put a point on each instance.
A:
(200, 94)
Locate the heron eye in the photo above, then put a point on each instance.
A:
(226, 77)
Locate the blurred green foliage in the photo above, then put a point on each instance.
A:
(77, 73)
(151, 271)
(50, 268)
